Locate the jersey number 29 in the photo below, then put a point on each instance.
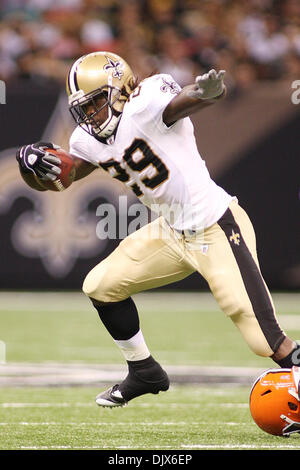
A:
(146, 158)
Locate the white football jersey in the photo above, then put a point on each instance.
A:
(160, 164)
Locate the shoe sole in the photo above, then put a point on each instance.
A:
(109, 404)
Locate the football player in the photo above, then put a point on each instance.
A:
(142, 135)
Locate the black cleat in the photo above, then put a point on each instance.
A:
(146, 376)
(111, 397)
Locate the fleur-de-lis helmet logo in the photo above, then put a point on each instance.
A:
(115, 66)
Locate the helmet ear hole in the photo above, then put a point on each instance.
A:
(292, 406)
(266, 393)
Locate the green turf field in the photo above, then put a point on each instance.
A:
(183, 418)
(180, 329)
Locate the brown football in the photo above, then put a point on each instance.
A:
(68, 171)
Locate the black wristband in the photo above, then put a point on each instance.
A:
(292, 359)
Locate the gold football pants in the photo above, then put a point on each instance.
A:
(224, 254)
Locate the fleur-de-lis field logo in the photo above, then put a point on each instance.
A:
(115, 67)
(60, 227)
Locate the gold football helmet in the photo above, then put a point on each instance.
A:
(98, 86)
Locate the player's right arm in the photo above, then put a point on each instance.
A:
(83, 168)
(35, 163)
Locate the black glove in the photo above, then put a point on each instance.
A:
(34, 158)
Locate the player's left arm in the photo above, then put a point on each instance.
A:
(207, 89)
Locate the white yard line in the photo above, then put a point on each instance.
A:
(139, 405)
(91, 447)
(162, 447)
(134, 423)
(236, 446)
(45, 405)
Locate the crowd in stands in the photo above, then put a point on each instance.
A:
(251, 39)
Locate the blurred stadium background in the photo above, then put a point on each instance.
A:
(250, 142)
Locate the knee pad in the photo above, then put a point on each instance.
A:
(92, 284)
(102, 283)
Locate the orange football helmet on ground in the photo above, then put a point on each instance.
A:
(275, 401)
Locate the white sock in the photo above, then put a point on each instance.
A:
(135, 348)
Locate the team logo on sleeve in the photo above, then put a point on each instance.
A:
(170, 86)
(115, 67)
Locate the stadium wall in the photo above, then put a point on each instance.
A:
(249, 142)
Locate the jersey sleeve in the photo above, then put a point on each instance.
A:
(79, 146)
(156, 94)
